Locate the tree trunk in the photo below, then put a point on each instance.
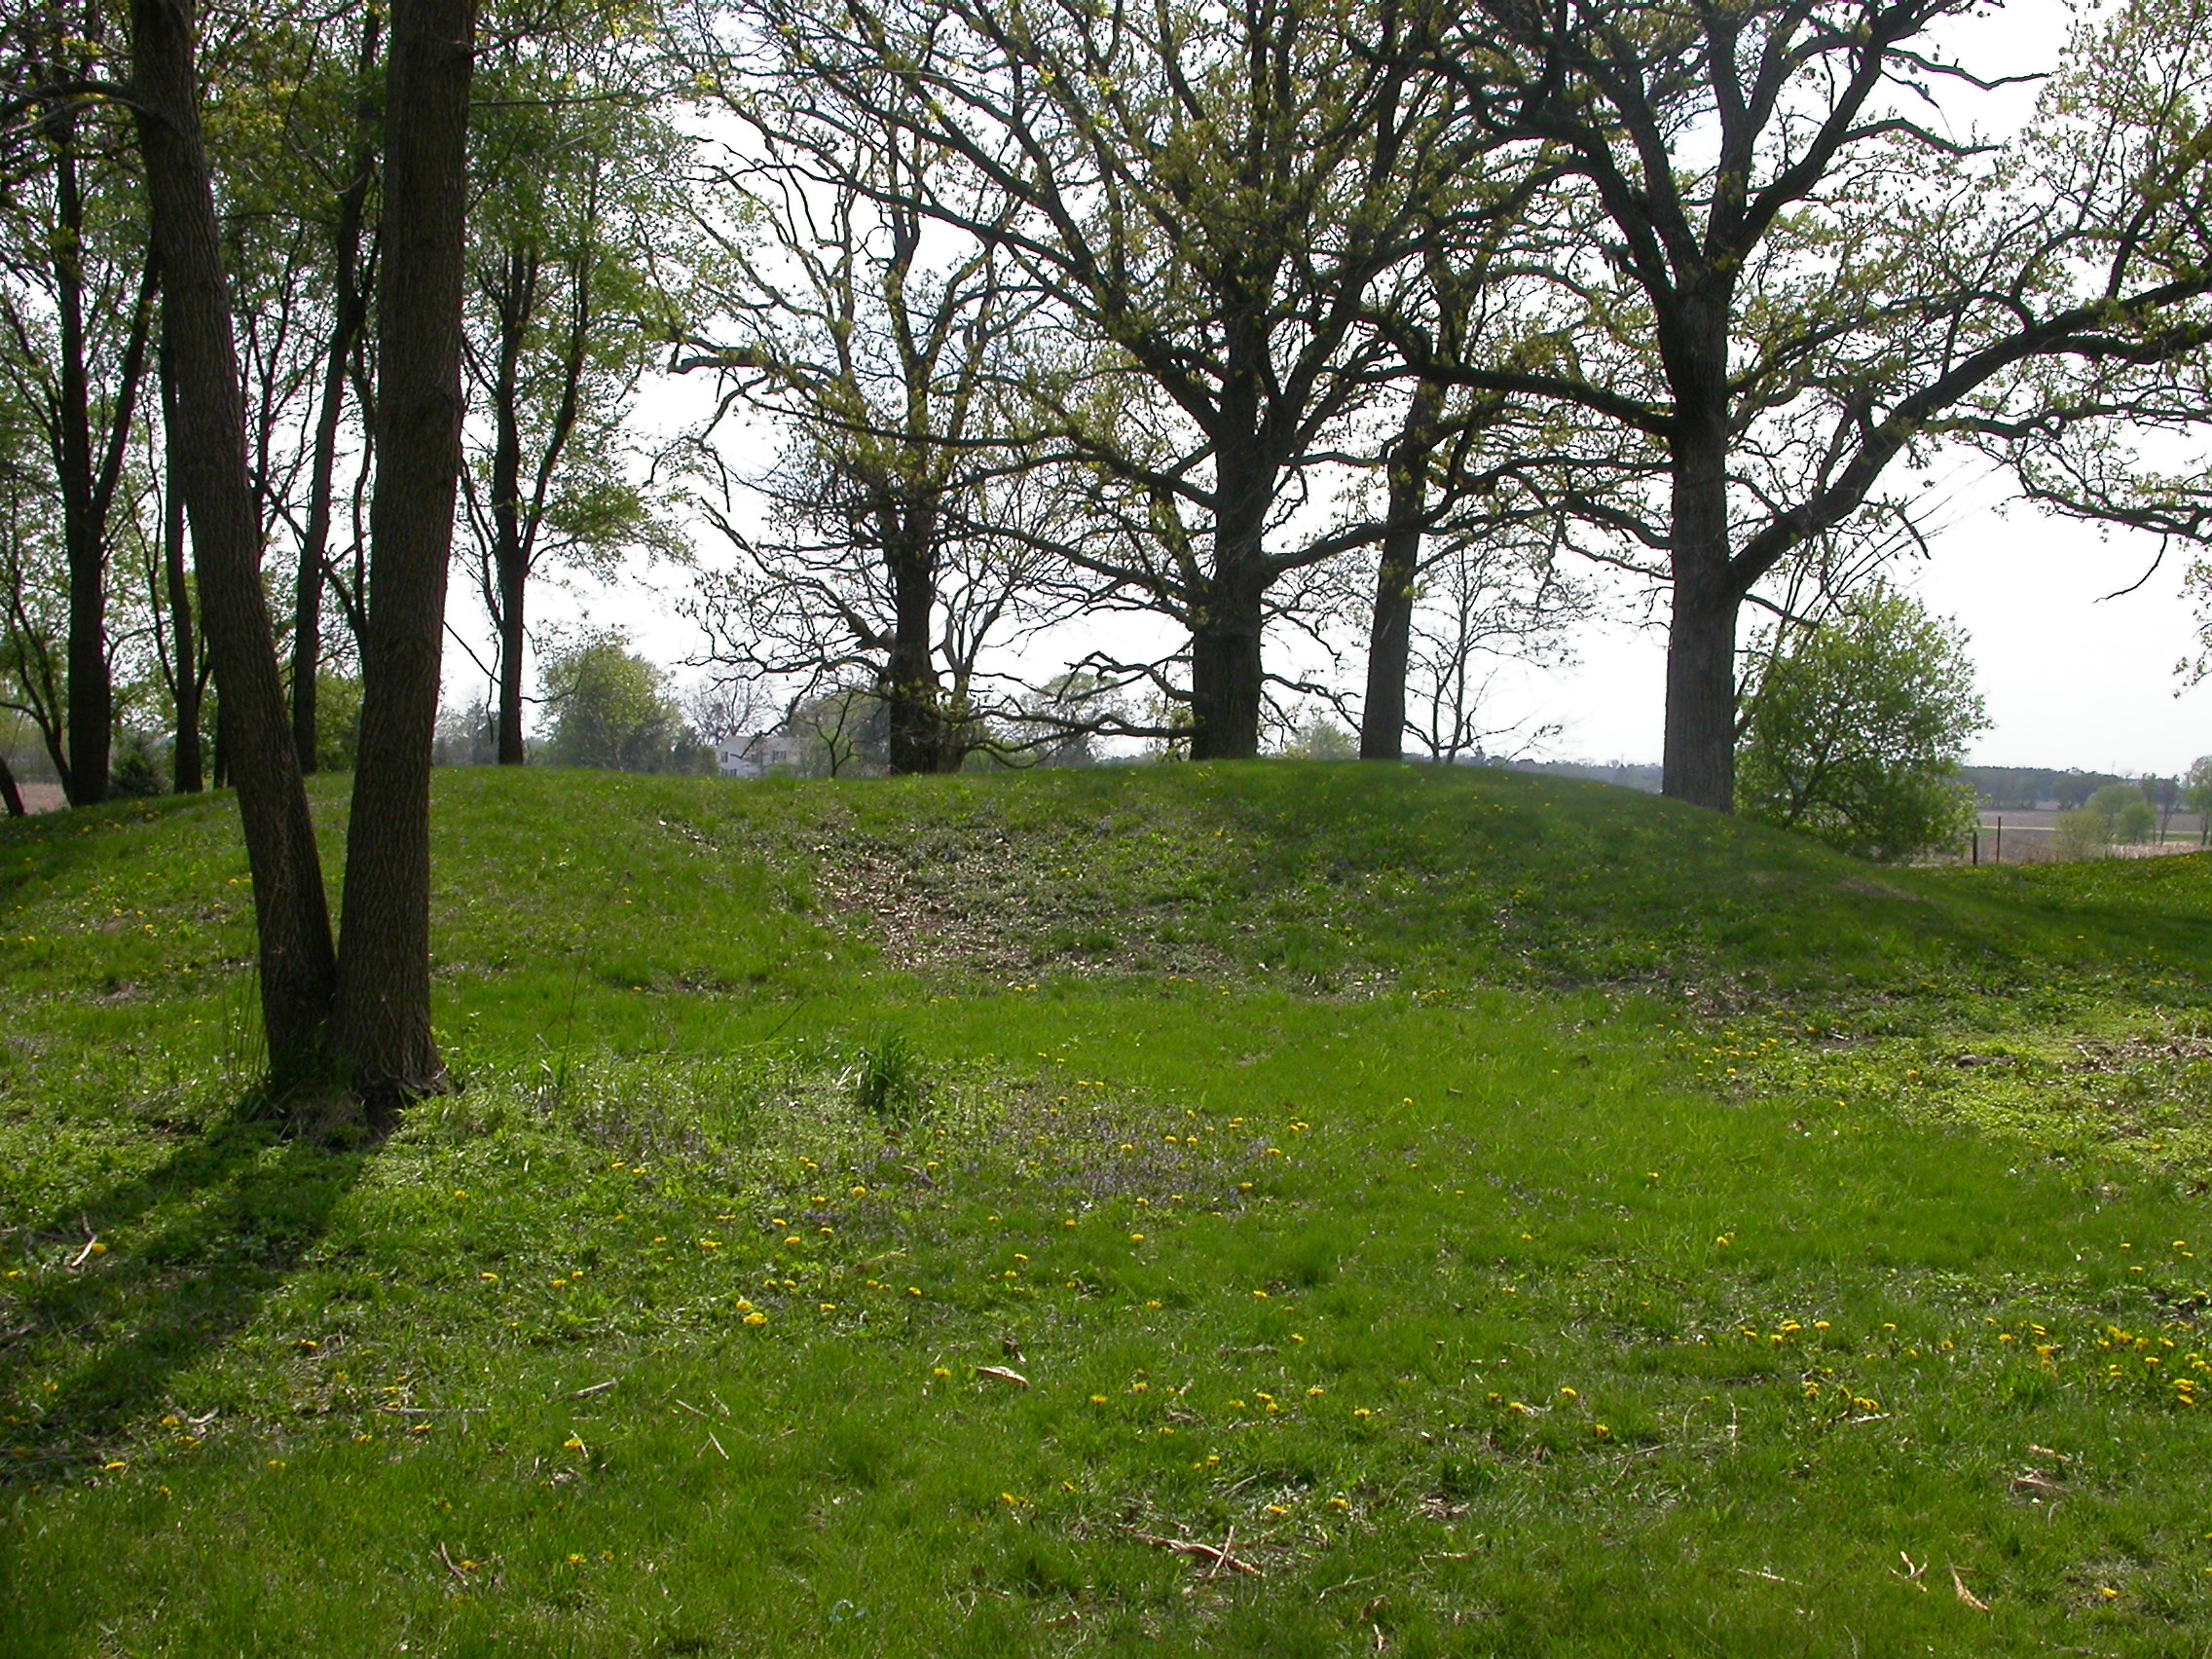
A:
(384, 971)
(510, 564)
(9, 794)
(347, 313)
(1699, 760)
(1699, 764)
(513, 582)
(1390, 641)
(1225, 673)
(211, 453)
(92, 699)
(184, 673)
(1225, 630)
(913, 698)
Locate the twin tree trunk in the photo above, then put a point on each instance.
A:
(207, 450)
(384, 967)
(372, 1004)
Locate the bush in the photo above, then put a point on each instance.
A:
(612, 709)
(137, 772)
(2083, 833)
(1854, 733)
(337, 720)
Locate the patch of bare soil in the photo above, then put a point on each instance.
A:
(976, 897)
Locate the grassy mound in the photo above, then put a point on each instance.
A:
(1276, 1208)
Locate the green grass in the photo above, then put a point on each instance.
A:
(1651, 1234)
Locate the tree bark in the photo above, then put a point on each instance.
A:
(1699, 763)
(511, 562)
(384, 971)
(348, 312)
(87, 486)
(91, 695)
(1225, 670)
(1389, 641)
(1700, 760)
(185, 760)
(1226, 679)
(920, 738)
(211, 455)
(10, 796)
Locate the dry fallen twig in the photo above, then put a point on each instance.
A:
(1968, 1596)
(1003, 1374)
(1770, 1577)
(1219, 1558)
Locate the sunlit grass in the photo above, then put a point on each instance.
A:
(1427, 1192)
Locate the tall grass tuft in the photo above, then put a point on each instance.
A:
(888, 1080)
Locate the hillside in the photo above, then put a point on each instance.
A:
(1491, 1209)
(1302, 876)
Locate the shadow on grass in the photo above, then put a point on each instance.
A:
(199, 1244)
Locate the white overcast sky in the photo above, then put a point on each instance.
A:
(2074, 672)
